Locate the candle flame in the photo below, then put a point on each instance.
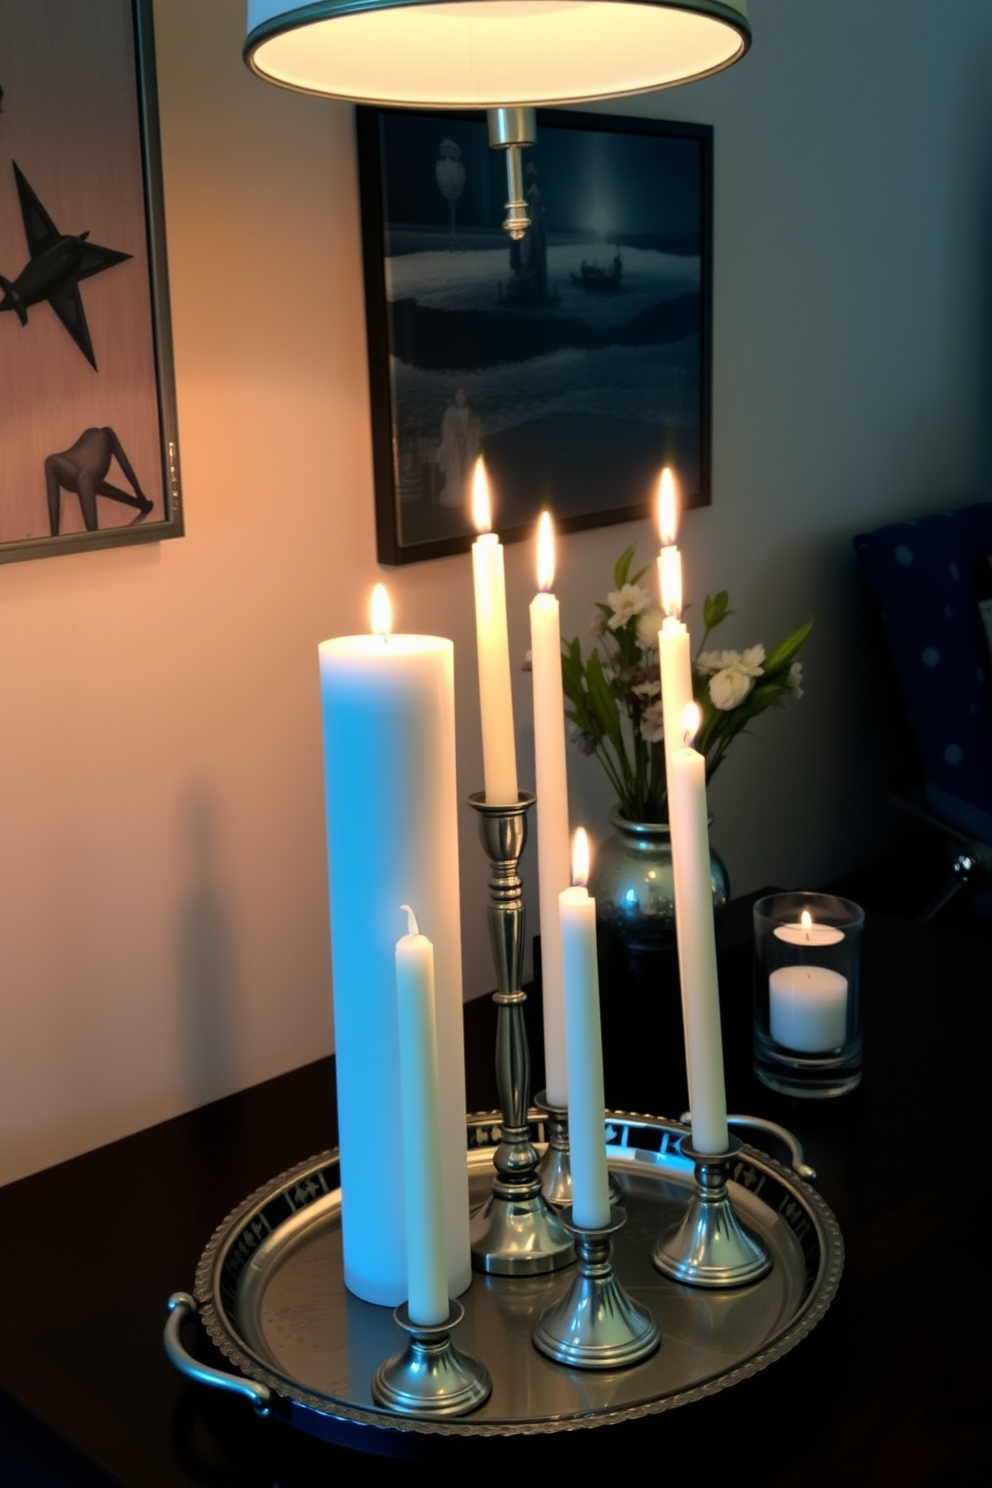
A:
(382, 612)
(545, 552)
(482, 511)
(671, 582)
(411, 920)
(668, 509)
(806, 920)
(580, 857)
(691, 719)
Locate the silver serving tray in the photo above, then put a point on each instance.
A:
(270, 1292)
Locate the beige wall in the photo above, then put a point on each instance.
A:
(163, 922)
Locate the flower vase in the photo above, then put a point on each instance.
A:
(634, 888)
(640, 1000)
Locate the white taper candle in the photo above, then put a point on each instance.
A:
(552, 806)
(584, 1044)
(420, 1135)
(499, 760)
(687, 817)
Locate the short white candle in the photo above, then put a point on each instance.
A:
(420, 1135)
(686, 770)
(499, 760)
(584, 1045)
(552, 805)
(808, 1008)
(806, 933)
(392, 836)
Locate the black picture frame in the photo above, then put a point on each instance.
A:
(89, 450)
(578, 362)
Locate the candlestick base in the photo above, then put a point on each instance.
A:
(596, 1325)
(710, 1247)
(516, 1233)
(555, 1167)
(430, 1377)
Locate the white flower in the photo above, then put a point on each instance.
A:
(751, 661)
(729, 687)
(597, 625)
(794, 681)
(625, 603)
(648, 627)
(708, 662)
(648, 689)
(651, 728)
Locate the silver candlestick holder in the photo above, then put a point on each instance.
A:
(710, 1247)
(430, 1377)
(596, 1325)
(555, 1167)
(516, 1233)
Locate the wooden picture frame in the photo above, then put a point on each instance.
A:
(88, 442)
(577, 362)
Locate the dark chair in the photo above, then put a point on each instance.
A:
(927, 578)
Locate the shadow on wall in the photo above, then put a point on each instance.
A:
(206, 975)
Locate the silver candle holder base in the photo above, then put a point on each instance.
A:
(710, 1247)
(596, 1325)
(516, 1233)
(430, 1377)
(555, 1167)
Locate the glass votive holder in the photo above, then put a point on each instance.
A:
(807, 997)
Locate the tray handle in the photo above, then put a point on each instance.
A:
(181, 1307)
(797, 1162)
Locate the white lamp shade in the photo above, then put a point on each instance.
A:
(491, 53)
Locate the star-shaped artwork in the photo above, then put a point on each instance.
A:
(58, 262)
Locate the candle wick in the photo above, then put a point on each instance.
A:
(412, 926)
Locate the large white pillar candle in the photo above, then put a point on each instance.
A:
(499, 759)
(807, 1008)
(697, 944)
(420, 1130)
(673, 638)
(584, 1045)
(392, 838)
(552, 805)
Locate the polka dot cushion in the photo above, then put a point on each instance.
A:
(925, 577)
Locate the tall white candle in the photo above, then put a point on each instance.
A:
(584, 1044)
(552, 805)
(420, 1131)
(392, 838)
(499, 759)
(697, 945)
(673, 638)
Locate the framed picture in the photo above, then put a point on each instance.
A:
(577, 361)
(88, 449)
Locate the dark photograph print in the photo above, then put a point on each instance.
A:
(576, 361)
(88, 454)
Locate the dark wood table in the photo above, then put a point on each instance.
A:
(891, 1389)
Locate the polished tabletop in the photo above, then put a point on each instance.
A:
(891, 1388)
